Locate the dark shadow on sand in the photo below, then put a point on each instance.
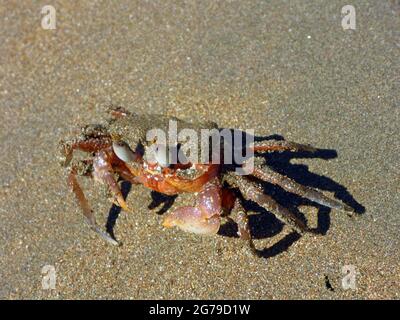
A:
(159, 199)
(115, 210)
(263, 224)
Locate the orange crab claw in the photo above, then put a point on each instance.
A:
(120, 202)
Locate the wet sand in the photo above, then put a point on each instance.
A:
(279, 67)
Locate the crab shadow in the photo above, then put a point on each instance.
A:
(115, 210)
(158, 199)
(263, 224)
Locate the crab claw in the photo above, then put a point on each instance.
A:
(120, 202)
(192, 219)
(125, 207)
(202, 219)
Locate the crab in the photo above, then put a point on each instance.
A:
(119, 149)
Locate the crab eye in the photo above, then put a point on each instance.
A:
(161, 155)
(123, 152)
(158, 154)
(167, 155)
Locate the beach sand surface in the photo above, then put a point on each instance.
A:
(284, 68)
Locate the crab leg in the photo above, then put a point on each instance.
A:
(126, 175)
(203, 218)
(251, 191)
(266, 174)
(242, 222)
(103, 172)
(86, 144)
(87, 211)
(118, 112)
(281, 145)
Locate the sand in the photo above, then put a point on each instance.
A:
(278, 67)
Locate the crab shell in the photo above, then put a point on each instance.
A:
(132, 131)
